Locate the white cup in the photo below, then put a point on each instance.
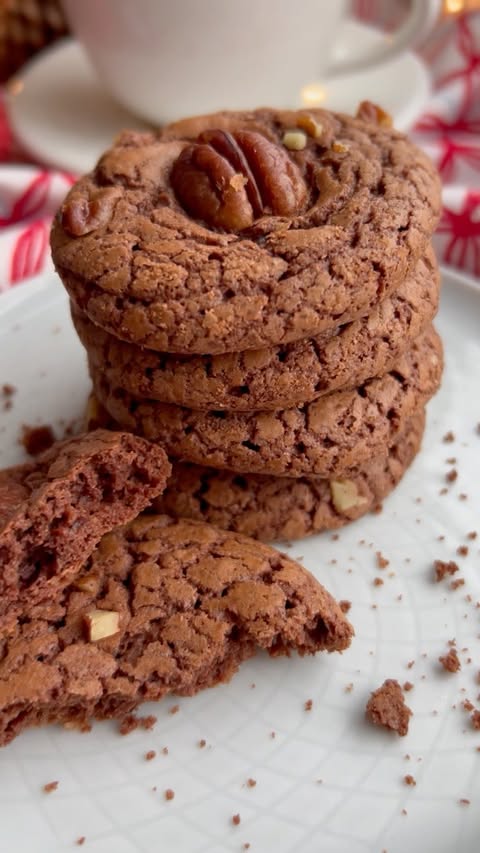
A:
(164, 59)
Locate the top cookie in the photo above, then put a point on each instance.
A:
(241, 230)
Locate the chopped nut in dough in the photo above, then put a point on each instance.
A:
(345, 495)
(294, 140)
(88, 583)
(101, 624)
(313, 127)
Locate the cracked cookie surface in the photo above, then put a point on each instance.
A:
(191, 603)
(142, 268)
(270, 508)
(54, 511)
(331, 435)
(276, 378)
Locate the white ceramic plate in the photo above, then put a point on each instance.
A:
(62, 116)
(106, 787)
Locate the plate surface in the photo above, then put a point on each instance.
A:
(63, 117)
(326, 781)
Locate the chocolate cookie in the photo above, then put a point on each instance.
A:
(54, 511)
(272, 508)
(277, 378)
(162, 606)
(236, 231)
(329, 436)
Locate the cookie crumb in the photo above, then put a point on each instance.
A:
(150, 755)
(37, 439)
(130, 723)
(449, 437)
(308, 705)
(236, 819)
(475, 719)
(345, 605)
(382, 561)
(386, 707)
(251, 783)
(273, 735)
(462, 550)
(443, 568)
(169, 794)
(174, 709)
(407, 686)
(451, 476)
(80, 841)
(472, 535)
(246, 846)
(202, 743)
(467, 705)
(409, 780)
(165, 750)
(378, 581)
(404, 811)
(349, 687)
(7, 393)
(49, 787)
(456, 583)
(464, 802)
(450, 661)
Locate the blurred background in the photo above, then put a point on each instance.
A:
(56, 117)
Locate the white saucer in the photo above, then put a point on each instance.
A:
(63, 117)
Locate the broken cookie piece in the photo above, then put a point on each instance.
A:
(189, 603)
(386, 707)
(54, 511)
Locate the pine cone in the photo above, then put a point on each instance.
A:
(25, 27)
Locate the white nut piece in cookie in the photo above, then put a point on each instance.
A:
(345, 495)
(294, 140)
(101, 624)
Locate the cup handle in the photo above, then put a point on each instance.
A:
(421, 18)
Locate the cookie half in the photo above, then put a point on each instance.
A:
(276, 508)
(329, 436)
(161, 606)
(54, 511)
(277, 378)
(224, 232)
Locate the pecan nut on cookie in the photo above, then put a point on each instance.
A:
(237, 231)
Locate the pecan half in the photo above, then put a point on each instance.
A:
(81, 214)
(231, 179)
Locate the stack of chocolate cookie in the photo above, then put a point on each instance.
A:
(255, 292)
